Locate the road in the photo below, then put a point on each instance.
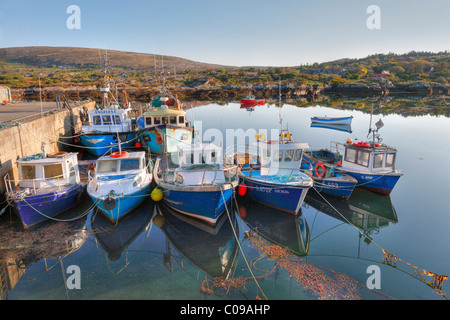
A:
(19, 111)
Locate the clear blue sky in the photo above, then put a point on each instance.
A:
(230, 32)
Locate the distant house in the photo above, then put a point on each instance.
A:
(5, 94)
(383, 74)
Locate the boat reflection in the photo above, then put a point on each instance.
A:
(364, 209)
(212, 249)
(337, 127)
(115, 238)
(48, 243)
(286, 230)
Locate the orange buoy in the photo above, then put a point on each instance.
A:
(242, 190)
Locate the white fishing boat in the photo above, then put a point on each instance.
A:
(121, 182)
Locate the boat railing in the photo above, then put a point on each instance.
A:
(56, 181)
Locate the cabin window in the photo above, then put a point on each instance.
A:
(350, 155)
(117, 119)
(71, 169)
(148, 121)
(390, 159)
(107, 166)
(173, 120)
(278, 156)
(181, 119)
(53, 171)
(378, 160)
(164, 120)
(28, 172)
(363, 158)
(96, 120)
(129, 164)
(288, 155)
(106, 119)
(298, 155)
(156, 121)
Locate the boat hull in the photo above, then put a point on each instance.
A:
(324, 120)
(207, 206)
(35, 209)
(335, 187)
(282, 197)
(380, 183)
(174, 136)
(252, 102)
(99, 144)
(123, 204)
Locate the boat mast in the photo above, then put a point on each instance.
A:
(43, 120)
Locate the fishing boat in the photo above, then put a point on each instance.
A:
(103, 127)
(277, 181)
(48, 185)
(371, 163)
(250, 99)
(164, 116)
(331, 120)
(326, 178)
(200, 185)
(121, 182)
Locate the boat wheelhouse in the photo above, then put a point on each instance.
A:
(47, 186)
(166, 120)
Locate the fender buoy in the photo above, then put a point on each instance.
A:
(157, 194)
(159, 139)
(242, 190)
(119, 154)
(242, 212)
(57, 154)
(320, 165)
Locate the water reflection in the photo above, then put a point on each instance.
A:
(211, 249)
(50, 241)
(285, 230)
(116, 238)
(364, 209)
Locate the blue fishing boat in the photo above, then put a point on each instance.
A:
(121, 182)
(278, 182)
(332, 120)
(166, 116)
(200, 185)
(371, 163)
(326, 178)
(103, 127)
(48, 185)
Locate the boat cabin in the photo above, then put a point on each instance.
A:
(202, 164)
(128, 163)
(364, 157)
(164, 116)
(55, 170)
(277, 156)
(112, 119)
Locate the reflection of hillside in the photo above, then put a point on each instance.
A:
(408, 106)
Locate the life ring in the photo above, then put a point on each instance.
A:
(159, 139)
(318, 166)
(119, 154)
(57, 154)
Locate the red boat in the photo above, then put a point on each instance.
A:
(250, 99)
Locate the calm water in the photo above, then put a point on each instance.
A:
(156, 254)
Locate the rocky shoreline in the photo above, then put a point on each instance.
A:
(234, 92)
